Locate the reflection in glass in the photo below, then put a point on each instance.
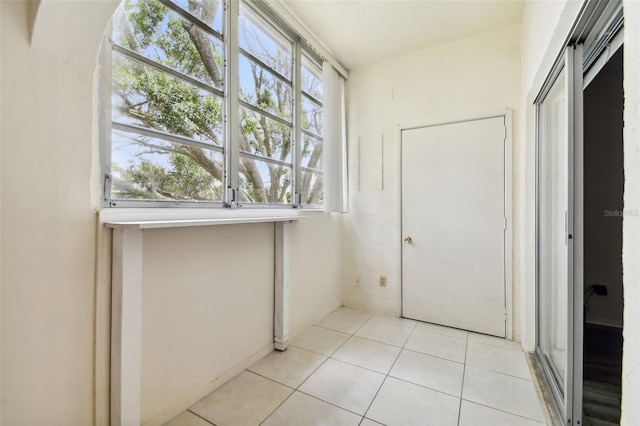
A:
(260, 88)
(264, 136)
(553, 210)
(311, 116)
(208, 11)
(266, 44)
(311, 188)
(311, 79)
(264, 182)
(152, 30)
(145, 168)
(311, 152)
(149, 98)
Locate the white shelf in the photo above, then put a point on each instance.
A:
(149, 218)
(153, 224)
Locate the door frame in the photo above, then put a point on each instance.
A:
(568, 400)
(507, 115)
(596, 24)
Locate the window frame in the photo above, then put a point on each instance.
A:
(231, 109)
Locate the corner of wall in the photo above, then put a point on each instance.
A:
(33, 7)
(631, 222)
(0, 217)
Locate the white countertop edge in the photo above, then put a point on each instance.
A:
(148, 218)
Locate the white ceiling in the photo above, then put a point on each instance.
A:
(361, 32)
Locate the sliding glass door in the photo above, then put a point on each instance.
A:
(559, 135)
(560, 203)
(553, 209)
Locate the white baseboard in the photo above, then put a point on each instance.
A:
(183, 405)
(303, 326)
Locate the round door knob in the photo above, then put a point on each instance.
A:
(407, 239)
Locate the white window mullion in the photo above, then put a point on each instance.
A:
(232, 106)
(297, 124)
(105, 90)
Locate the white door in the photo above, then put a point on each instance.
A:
(453, 225)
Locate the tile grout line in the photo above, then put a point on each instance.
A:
(387, 375)
(375, 396)
(377, 341)
(283, 401)
(464, 372)
(501, 373)
(198, 415)
(496, 372)
(402, 348)
(297, 388)
(301, 383)
(360, 337)
(323, 362)
(503, 411)
(517, 350)
(329, 402)
(294, 389)
(344, 332)
(432, 356)
(333, 352)
(364, 368)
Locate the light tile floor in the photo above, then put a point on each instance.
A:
(354, 368)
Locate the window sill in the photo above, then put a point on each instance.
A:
(149, 218)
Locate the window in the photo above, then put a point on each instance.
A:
(203, 116)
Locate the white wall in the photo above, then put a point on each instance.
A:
(468, 78)
(631, 223)
(48, 224)
(208, 303)
(203, 311)
(316, 269)
(55, 264)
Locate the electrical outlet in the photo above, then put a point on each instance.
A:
(383, 281)
(600, 290)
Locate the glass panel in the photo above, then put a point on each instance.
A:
(311, 188)
(553, 210)
(263, 182)
(152, 30)
(259, 39)
(311, 79)
(263, 136)
(149, 98)
(311, 152)
(262, 89)
(312, 119)
(146, 168)
(208, 11)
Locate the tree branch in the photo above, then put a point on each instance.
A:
(201, 41)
